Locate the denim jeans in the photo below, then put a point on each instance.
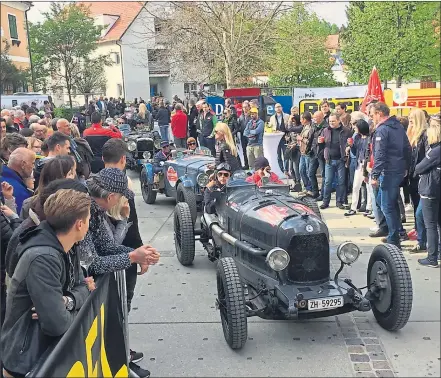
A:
(314, 164)
(420, 226)
(389, 192)
(163, 130)
(304, 171)
(281, 148)
(295, 167)
(331, 168)
(432, 218)
(209, 143)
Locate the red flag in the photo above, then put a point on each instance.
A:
(374, 90)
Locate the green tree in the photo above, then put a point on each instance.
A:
(89, 79)
(61, 43)
(9, 73)
(299, 56)
(399, 38)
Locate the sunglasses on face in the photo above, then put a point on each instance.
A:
(192, 144)
(223, 174)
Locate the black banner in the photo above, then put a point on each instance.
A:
(94, 346)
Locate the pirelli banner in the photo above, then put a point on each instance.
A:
(94, 346)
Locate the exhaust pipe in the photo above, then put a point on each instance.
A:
(212, 223)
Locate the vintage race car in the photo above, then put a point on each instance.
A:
(274, 261)
(142, 145)
(183, 177)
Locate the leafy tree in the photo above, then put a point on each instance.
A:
(223, 41)
(89, 78)
(9, 73)
(61, 43)
(299, 56)
(399, 38)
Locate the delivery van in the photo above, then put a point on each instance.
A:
(9, 101)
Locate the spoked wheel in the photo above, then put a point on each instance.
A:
(231, 303)
(390, 287)
(187, 195)
(312, 204)
(148, 194)
(184, 234)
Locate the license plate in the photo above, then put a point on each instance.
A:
(325, 303)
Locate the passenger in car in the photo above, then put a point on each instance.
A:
(161, 156)
(191, 144)
(262, 169)
(216, 186)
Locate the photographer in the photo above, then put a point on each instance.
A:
(263, 170)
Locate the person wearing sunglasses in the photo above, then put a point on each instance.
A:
(216, 186)
(191, 144)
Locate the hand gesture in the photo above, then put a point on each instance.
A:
(7, 211)
(145, 255)
(144, 268)
(125, 210)
(7, 190)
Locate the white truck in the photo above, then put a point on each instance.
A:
(18, 99)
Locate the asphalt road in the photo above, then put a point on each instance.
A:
(174, 321)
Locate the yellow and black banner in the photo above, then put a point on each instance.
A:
(94, 346)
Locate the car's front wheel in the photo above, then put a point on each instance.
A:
(147, 190)
(231, 303)
(390, 287)
(187, 195)
(184, 234)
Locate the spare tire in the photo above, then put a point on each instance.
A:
(312, 204)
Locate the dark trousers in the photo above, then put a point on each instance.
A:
(432, 218)
(295, 166)
(331, 168)
(209, 143)
(131, 277)
(314, 164)
(244, 143)
(414, 196)
(281, 148)
(389, 192)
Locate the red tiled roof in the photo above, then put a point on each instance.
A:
(332, 42)
(127, 12)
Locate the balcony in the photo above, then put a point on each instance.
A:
(159, 69)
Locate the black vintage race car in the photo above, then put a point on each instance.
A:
(142, 144)
(274, 261)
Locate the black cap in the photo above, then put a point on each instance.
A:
(261, 162)
(115, 181)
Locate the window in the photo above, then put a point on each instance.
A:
(119, 86)
(116, 59)
(12, 26)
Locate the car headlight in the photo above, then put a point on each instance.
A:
(277, 259)
(202, 180)
(146, 155)
(157, 144)
(348, 253)
(131, 145)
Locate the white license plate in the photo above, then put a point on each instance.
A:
(325, 303)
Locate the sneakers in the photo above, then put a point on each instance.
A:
(350, 212)
(324, 206)
(297, 187)
(139, 371)
(379, 233)
(341, 206)
(417, 249)
(319, 198)
(135, 356)
(429, 263)
(408, 207)
(367, 213)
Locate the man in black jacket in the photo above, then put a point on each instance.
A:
(163, 118)
(114, 156)
(33, 321)
(192, 119)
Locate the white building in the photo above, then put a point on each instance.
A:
(129, 39)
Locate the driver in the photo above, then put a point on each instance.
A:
(263, 169)
(216, 185)
(161, 156)
(191, 144)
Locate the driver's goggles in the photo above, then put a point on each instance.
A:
(223, 174)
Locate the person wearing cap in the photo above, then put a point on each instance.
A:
(161, 156)
(262, 169)
(191, 144)
(215, 186)
(254, 133)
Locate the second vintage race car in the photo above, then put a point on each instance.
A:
(183, 178)
(273, 257)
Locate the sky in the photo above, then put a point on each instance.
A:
(333, 12)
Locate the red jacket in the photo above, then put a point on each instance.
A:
(179, 124)
(256, 179)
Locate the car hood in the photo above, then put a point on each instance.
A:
(193, 162)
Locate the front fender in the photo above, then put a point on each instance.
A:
(150, 174)
(187, 182)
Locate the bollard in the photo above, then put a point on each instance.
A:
(122, 291)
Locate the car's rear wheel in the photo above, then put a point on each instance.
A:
(390, 286)
(312, 204)
(148, 193)
(231, 303)
(184, 234)
(187, 195)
